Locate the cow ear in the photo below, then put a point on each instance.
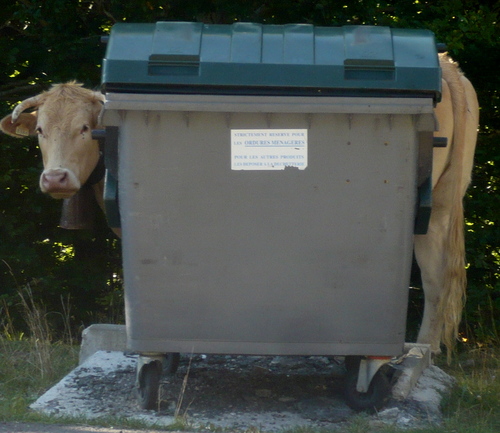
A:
(24, 126)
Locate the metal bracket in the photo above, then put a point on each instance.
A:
(440, 142)
(108, 143)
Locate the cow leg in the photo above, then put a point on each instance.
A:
(430, 250)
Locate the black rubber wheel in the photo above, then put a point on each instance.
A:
(352, 362)
(149, 384)
(171, 363)
(374, 399)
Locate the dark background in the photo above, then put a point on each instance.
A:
(75, 276)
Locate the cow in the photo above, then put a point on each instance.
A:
(67, 113)
(64, 119)
(440, 253)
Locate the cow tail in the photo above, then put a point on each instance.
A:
(452, 301)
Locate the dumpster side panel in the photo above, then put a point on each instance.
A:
(312, 261)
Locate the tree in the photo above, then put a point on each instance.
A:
(49, 41)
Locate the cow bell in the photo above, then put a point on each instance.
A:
(78, 211)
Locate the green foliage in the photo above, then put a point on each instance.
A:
(479, 58)
(56, 263)
(483, 248)
(473, 403)
(29, 364)
(48, 41)
(22, 379)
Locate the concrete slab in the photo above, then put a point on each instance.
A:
(416, 359)
(102, 336)
(80, 393)
(277, 397)
(276, 394)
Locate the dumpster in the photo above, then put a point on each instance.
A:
(268, 181)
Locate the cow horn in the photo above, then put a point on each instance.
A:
(24, 105)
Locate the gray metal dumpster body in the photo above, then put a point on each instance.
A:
(270, 210)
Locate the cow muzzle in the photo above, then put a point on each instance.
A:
(59, 183)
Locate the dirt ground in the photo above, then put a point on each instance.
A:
(307, 386)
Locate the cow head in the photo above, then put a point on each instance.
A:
(64, 118)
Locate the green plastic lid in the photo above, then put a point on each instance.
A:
(256, 59)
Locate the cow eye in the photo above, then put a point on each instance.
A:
(85, 128)
(38, 130)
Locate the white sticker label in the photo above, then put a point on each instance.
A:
(268, 149)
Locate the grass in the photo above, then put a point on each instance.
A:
(23, 378)
(474, 404)
(30, 364)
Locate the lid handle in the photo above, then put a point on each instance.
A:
(175, 49)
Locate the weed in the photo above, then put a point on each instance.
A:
(359, 424)
(29, 363)
(182, 392)
(475, 399)
(20, 382)
(40, 335)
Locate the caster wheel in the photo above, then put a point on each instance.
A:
(351, 363)
(148, 385)
(171, 363)
(374, 399)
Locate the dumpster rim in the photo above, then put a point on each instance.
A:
(263, 104)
